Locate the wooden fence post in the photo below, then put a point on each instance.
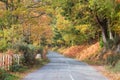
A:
(3, 63)
(7, 60)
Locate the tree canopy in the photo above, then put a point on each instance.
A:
(60, 22)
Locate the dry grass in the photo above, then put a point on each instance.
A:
(72, 51)
(87, 52)
(81, 52)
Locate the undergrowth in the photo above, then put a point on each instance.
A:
(38, 65)
(4, 75)
(114, 69)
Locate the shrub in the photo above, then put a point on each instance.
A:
(29, 52)
(40, 50)
(112, 59)
(17, 68)
(4, 75)
(28, 58)
(22, 47)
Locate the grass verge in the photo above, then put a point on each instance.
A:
(112, 73)
(30, 69)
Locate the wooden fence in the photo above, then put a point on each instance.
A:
(6, 60)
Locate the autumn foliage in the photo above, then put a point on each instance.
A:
(118, 1)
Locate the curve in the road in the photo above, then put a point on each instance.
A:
(62, 68)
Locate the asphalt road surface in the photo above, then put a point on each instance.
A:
(62, 68)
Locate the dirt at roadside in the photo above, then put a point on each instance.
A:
(109, 75)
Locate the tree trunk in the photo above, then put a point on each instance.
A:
(103, 23)
(110, 31)
(104, 37)
(118, 49)
(111, 35)
(7, 5)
